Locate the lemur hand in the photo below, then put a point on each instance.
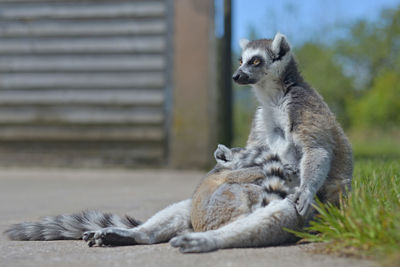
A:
(303, 199)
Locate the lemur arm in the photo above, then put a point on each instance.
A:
(314, 168)
(311, 126)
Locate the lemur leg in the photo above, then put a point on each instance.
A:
(263, 227)
(161, 227)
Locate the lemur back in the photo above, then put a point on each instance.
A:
(243, 180)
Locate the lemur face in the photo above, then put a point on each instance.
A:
(262, 58)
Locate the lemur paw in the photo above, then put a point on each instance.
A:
(194, 242)
(108, 237)
(290, 170)
(303, 201)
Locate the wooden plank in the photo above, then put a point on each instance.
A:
(81, 80)
(81, 28)
(142, 97)
(82, 63)
(80, 153)
(80, 115)
(80, 133)
(81, 10)
(154, 44)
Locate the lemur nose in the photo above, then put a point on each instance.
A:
(236, 76)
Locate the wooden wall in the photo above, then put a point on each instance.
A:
(107, 83)
(84, 83)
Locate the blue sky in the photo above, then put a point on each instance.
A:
(300, 20)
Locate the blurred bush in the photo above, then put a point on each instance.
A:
(380, 105)
(318, 66)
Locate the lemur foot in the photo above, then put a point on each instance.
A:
(109, 237)
(194, 242)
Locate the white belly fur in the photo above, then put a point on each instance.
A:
(278, 137)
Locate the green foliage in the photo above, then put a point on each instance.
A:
(380, 106)
(318, 66)
(368, 221)
(373, 47)
(371, 55)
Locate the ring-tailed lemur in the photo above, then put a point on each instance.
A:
(296, 124)
(224, 196)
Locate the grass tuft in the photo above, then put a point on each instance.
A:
(367, 222)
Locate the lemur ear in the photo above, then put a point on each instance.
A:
(280, 46)
(243, 43)
(223, 154)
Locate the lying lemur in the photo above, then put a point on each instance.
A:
(224, 196)
(293, 121)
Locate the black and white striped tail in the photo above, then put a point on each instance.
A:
(70, 226)
(276, 178)
(276, 174)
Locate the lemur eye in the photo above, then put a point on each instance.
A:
(256, 61)
(240, 61)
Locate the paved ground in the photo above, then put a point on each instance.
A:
(31, 193)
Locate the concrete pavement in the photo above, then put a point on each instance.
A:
(27, 194)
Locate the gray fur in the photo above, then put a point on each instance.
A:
(263, 227)
(277, 176)
(70, 226)
(309, 137)
(242, 181)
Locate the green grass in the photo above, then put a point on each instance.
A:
(368, 220)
